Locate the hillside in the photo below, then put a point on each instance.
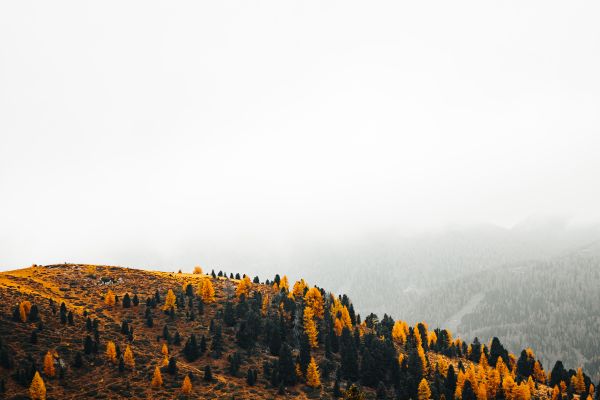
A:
(109, 332)
(551, 305)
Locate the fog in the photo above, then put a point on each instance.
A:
(237, 134)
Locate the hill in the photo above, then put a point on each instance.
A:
(104, 332)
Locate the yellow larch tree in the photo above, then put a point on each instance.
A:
(509, 387)
(555, 393)
(314, 299)
(111, 351)
(313, 377)
(244, 287)
(109, 299)
(49, 369)
(128, 357)
(424, 393)
(579, 382)
(197, 270)
(283, 284)
(37, 389)
(206, 291)
(24, 308)
(298, 289)
(186, 387)
(483, 361)
(493, 383)
(310, 327)
(482, 392)
(538, 373)
(264, 309)
(421, 354)
(164, 350)
(157, 378)
(523, 391)
(399, 332)
(170, 301)
(432, 338)
(338, 327)
(501, 368)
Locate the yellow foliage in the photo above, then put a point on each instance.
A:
(111, 351)
(424, 392)
(49, 369)
(197, 270)
(244, 287)
(313, 378)
(310, 327)
(283, 284)
(482, 392)
(165, 349)
(510, 388)
(157, 378)
(24, 308)
(186, 387)
(37, 390)
(128, 357)
(538, 373)
(338, 326)
(399, 331)
(109, 299)
(265, 305)
(555, 393)
(206, 290)
(298, 289)
(579, 383)
(314, 300)
(170, 301)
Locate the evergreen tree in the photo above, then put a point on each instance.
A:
(286, 370)
(217, 343)
(126, 301)
(172, 366)
(208, 373)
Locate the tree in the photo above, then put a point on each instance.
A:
(298, 289)
(580, 386)
(110, 299)
(186, 387)
(399, 331)
(111, 352)
(244, 287)
(314, 300)
(197, 270)
(424, 391)
(353, 393)
(265, 305)
(49, 369)
(126, 301)
(207, 374)
(206, 290)
(284, 285)
(172, 366)
(128, 357)
(164, 350)
(24, 308)
(37, 390)
(286, 370)
(310, 327)
(313, 378)
(170, 301)
(157, 378)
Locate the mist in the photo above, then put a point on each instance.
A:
(218, 133)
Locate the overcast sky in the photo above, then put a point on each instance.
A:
(142, 125)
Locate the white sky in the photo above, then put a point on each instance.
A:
(142, 125)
